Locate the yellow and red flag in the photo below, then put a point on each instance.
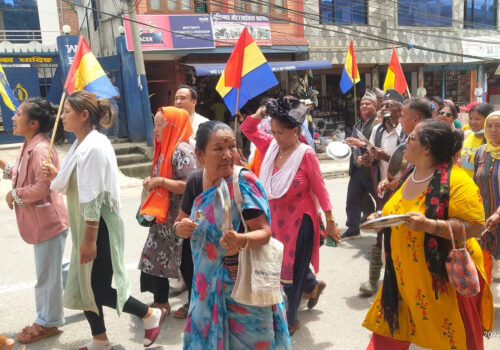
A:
(395, 78)
(87, 74)
(350, 75)
(247, 71)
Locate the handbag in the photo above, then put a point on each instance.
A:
(462, 272)
(258, 282)
(141, 219)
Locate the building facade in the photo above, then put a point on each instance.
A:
(431, 37)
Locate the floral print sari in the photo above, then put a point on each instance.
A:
(215, 320)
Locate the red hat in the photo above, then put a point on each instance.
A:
(469, 106)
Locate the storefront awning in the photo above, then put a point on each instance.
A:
(203, 69)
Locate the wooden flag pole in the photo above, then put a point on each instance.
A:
(408, 91)
(63, 96)
(237, 111)
(355, 104)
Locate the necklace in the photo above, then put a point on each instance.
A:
(420, 181)
(288, 152)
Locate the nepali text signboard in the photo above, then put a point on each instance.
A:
(228, 27)
(172, 32)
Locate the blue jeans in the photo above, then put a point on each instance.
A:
(49, 286)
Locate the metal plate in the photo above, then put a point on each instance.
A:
(397, 163)
(384, 221)
(338, 150)
(222, 206)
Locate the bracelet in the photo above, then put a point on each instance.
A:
(330, 219)
(175, 226)
(247, 242)
(437, 227)
(92, 226)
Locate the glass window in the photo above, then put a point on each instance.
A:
(265, 7)
(185, 5)
(480, 14)
(430, 13)
(254, 7)
(20, 20)
(279, 10)
(343, 11)
(172, 4)
(155, 4)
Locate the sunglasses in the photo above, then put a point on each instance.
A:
(386, 105)
(448, 114)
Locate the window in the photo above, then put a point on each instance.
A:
(19, 21)
(176, 5)
(265, 7)
(155, 5)
(430, 13)
(343, 11)
(480, 14)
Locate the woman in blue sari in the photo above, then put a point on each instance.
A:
(215, 320)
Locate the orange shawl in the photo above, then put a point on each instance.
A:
(177, 129)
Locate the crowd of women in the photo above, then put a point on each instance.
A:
(178, 207)
(287, 201)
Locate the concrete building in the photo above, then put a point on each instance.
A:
(443, 27)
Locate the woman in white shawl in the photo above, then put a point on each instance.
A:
(89, 178)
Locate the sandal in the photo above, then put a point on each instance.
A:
(314, 300)
(165, 306)
(35, 332)
(182, 311)
(293, 328)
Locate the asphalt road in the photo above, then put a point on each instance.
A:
(335, 323)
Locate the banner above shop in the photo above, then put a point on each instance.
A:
(228, 27)
(487, 47)
(172, 32)
(203, 69)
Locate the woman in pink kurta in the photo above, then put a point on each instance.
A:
(292, 179)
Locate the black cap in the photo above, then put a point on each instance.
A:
(290, 109)
(393, 95)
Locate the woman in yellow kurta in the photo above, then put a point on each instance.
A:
(416, 303)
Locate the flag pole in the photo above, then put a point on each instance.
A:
(355, 105)
(237, 110)
(63, 96)
(408, 91)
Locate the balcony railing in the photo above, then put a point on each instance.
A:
(21, 36)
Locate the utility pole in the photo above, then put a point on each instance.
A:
(141, 73)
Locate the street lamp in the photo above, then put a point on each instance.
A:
(66, 29)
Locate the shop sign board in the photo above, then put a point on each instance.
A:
(172, 32)
(487, 48)
(228, 27)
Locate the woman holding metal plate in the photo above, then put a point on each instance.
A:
(416, 303)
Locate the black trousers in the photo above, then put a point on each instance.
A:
(187, 265)
(159, 286)
(303, 278)
(358, 200)
(101, 277)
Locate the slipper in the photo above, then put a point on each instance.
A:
(165, 306)
(182, 312)
(151, 334)
(313, 301)
(35, 332)
(293, 328)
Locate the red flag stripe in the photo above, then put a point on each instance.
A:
(234, 66)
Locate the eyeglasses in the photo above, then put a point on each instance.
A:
(447, 114)
(410, 138)
(386, 105)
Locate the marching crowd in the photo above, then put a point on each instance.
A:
(409, 156)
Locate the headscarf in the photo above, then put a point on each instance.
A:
(177, 130)
(493, 150)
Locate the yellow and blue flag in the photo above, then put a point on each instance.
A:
(350, 75)
(7, 95)
(246, 70)
(87, 74)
